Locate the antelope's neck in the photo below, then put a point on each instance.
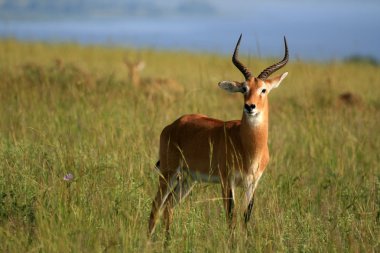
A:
(254, 135)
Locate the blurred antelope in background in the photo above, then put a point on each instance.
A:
(134, 69)
(196, 148)
(152, 86)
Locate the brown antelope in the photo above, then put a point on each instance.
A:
(196, 148)
(134, 69)
(151, 86)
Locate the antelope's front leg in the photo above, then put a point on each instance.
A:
(249, 198)
(248, 211)
(229, 204)
(251, 183)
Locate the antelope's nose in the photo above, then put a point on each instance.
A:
(249, 108)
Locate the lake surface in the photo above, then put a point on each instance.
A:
(314, 33)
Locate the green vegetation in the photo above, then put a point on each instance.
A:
(71, 109)
(362, 59)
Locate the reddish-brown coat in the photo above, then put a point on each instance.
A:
(235, 152)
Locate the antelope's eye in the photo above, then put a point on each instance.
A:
(244, 89)
(263, 91)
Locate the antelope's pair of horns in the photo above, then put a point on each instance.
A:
(266, 72)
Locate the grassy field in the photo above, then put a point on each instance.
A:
(71, 109)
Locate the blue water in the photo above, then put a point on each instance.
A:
(316, 33)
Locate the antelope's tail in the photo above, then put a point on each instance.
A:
(157, 166)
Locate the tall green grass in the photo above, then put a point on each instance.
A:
(71, 109)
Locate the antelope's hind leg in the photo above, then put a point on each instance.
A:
(180, 192)
(168, 216)
(166, 185)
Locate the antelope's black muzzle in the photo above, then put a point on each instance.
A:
(249, 108)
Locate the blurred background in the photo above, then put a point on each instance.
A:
(81, 111)
(321, 30)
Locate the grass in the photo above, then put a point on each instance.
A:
(71, 109)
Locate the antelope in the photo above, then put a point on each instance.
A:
(196, 148)
(166, 86)
(134, 69)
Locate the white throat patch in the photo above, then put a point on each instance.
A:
(255, 120)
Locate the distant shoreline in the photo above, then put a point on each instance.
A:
(313, 34)
(354, 59)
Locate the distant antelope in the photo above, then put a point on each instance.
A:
(166, 86)
(196, 148)
(134, 69)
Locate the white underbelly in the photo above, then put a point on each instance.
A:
(205, 178)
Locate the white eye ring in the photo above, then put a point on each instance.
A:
(263, 91)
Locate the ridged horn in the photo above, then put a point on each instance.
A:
(270, 70)
(243, 69)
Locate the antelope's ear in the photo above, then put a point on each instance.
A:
(275, 82)
(231, 86)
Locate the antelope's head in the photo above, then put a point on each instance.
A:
(255, 89)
